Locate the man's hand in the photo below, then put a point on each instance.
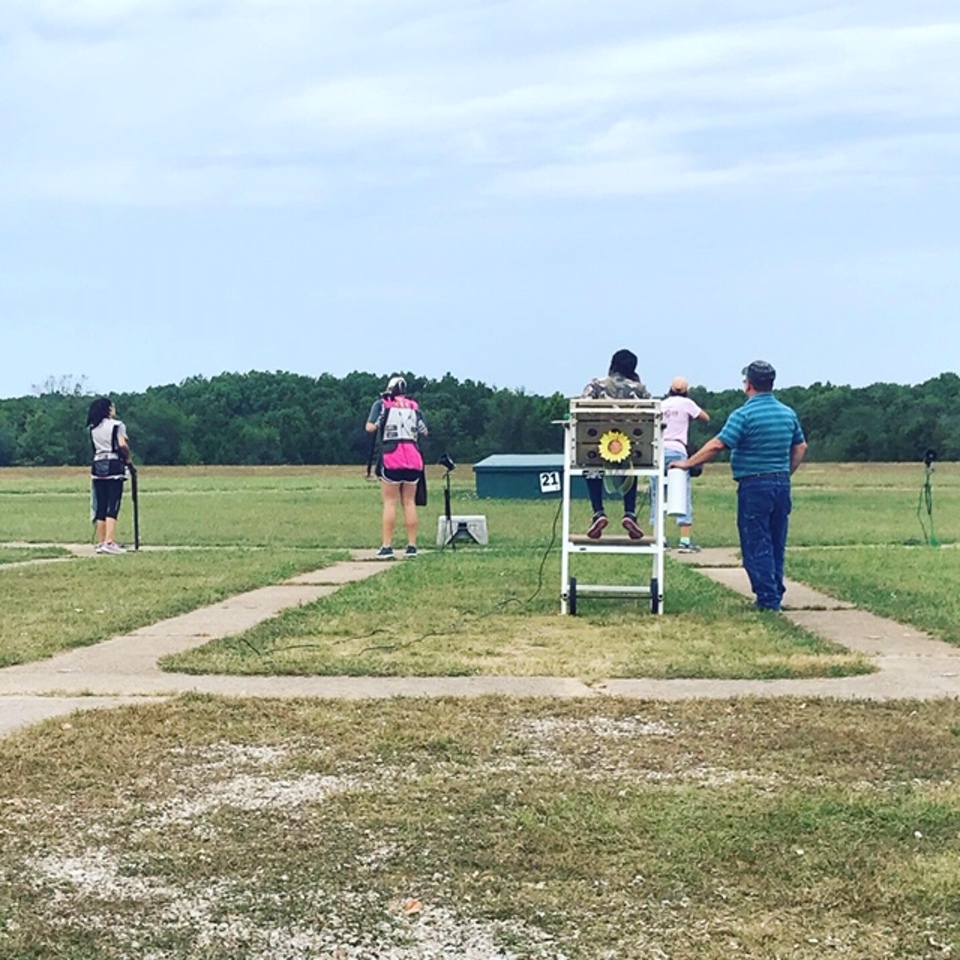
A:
(707, 452)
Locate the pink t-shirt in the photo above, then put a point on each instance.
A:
(677, 414)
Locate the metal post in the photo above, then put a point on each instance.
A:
(135, 497)
(569, 457)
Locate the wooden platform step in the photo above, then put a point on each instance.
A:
(612, 541)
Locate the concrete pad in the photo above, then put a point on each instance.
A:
(801, 597)
(370, 556)
(339, 573)
(18, 712)
(922, 679)
(641, 689)
(909, 663)
(82, 550)
(798, 596)
(159, 684)
(733, 578)
(875, 636)
(883, 685)
(709, 557)
(136, 654)
(379, 688)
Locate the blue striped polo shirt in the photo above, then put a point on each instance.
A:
(760, 435)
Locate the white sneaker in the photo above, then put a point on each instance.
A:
(111, 547)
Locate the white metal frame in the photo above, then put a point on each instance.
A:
(652, 547)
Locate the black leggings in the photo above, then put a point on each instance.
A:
(595, 489)
(107, 495)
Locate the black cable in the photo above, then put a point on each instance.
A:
(306, 646)
(453, 628)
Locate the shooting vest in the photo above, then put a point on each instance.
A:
(107, 464)
(400, 433)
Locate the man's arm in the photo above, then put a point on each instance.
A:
(707, 452)
(797, 453)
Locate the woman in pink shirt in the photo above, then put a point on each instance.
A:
(678, 410)
(398, 420)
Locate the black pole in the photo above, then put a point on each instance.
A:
(372, 452)
(448, 537)
(135, 497)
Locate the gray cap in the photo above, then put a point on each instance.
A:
(760, 373)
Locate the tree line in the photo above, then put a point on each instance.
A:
(274, 418)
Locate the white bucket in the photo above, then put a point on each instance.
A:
(678, 483)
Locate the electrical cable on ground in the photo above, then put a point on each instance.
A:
(460, 622)
(452, 628)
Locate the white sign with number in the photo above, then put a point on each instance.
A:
(550, 481)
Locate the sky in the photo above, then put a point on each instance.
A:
(504, 190)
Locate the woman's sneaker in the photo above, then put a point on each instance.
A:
(411, 551)
(111, 547)
(596, 528)
(385, 553)
(632, 527)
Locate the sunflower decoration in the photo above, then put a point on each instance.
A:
(614, 446)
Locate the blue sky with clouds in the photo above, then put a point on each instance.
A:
(508, 191)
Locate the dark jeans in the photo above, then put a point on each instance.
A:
(763, 515)
(595, 489)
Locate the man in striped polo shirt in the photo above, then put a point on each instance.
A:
(766, 446)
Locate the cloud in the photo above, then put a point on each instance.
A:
(905, 161)
(173, 102)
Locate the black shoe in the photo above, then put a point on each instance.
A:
(596, 528)
(632, 527)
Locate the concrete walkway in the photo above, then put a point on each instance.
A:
(909, 664)
(124, 669)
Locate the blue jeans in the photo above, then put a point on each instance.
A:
(763, 515)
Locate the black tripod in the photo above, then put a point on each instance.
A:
(451, 536)
(926, 499)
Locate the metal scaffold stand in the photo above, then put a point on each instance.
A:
(621, 439)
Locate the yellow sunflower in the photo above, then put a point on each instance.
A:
(614, 446)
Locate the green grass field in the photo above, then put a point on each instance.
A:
(499, 607)
(207, 828)
(862, 504)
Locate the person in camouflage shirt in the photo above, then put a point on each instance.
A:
(621, 383)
